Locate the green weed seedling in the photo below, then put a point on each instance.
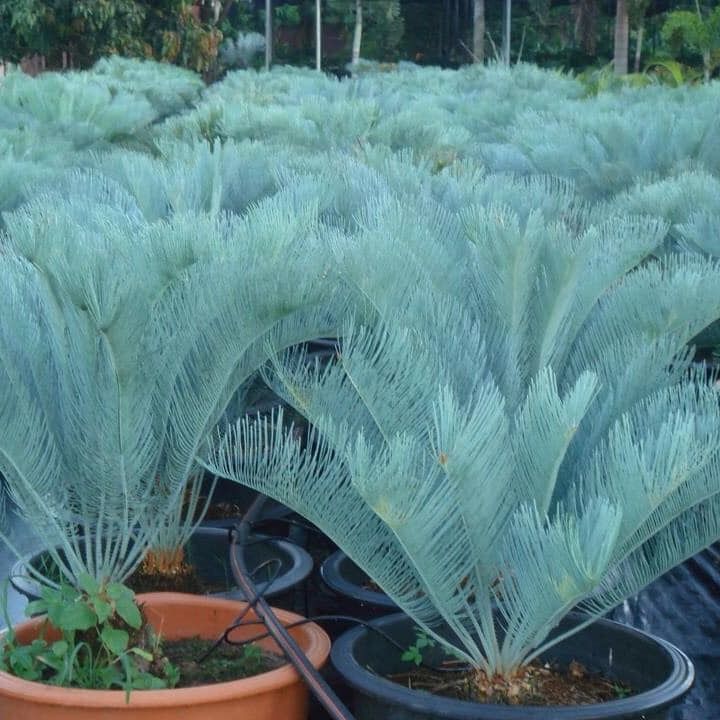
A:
(100, 641)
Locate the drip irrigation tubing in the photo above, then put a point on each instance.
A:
(317, 684)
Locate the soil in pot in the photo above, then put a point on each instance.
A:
(537, 684)
(281, 569)
(658, 673)
(230, 501)
(200, 663)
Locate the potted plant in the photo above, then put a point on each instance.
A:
(505, 444)
(101, 653)
(123, 343)
(205, 569)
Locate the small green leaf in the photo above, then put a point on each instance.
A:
(145, 681)
(412, 655)
(128, 611)
(49, 594)
(115, 639)
(118, 591)
(103, 609)
(77, 616)
(172, 673)
(144, 654)
(59, 648)
(89, 584)
(36, 607)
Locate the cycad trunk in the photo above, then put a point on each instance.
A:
(622, 33)
(357, 35)
(163, 561)
(479, 31)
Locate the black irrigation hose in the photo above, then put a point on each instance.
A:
(239, 619)
(339, 618)
(253, 510)
(239, 536)
(322, 691)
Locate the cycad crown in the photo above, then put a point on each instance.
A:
(122, 343)
(514, 428)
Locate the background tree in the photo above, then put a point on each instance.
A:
(268, 34)
(375, 28)
(71, 33)
(75, 33)
(357, 33)
(586, 14)
(507, 27)
(636, 11)
(622, 37)
(318, 35)
(697, 31)
(479, 30)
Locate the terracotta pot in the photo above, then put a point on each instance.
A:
(272, 695)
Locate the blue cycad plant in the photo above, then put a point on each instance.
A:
(515, 428)
(121, 343)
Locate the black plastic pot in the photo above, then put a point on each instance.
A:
(655, 669)
(322, 348)
(229, 492)
(345, 578)
(208, 551)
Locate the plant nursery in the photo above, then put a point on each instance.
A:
(388, 394)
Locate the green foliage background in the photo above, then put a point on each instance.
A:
(572, 35)
(77, 33)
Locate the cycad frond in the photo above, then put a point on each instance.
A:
(168, 88)
(74, 105)
(262, 456)
(119, 356)
(534, 484)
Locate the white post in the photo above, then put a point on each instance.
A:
(506, 32)
(268, 33)
(357, 34)
(318, 35)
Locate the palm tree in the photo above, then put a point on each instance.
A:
(508, 440)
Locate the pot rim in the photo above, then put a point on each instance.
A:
(301, 567)
(301, 564)
(316, 646)
(675, 685)
(332, 575)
